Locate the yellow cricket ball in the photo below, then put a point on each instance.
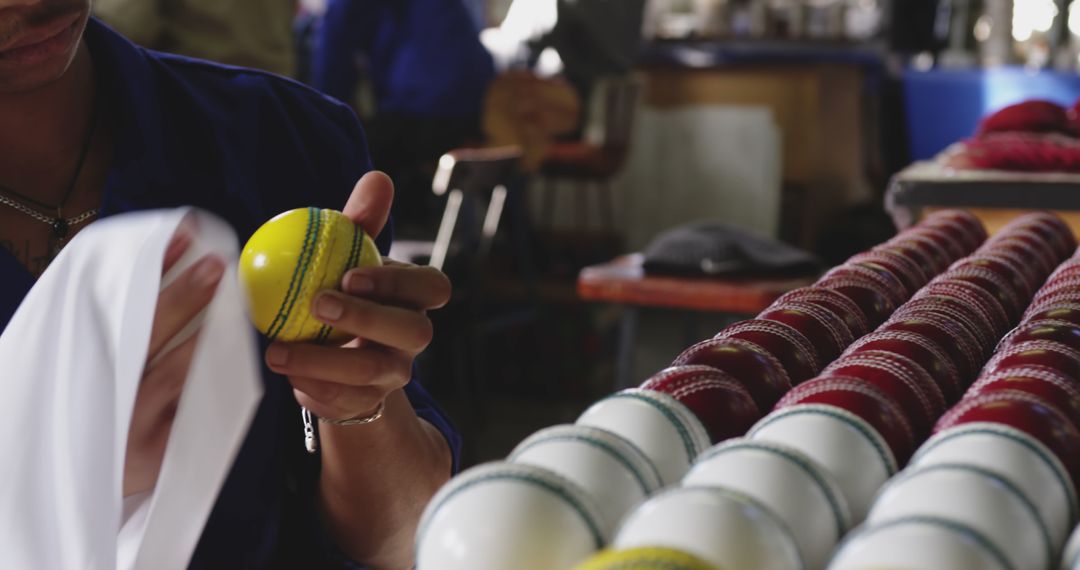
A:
(291, 258)
(644, 559)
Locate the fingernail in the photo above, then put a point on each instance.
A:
(329, 307)
(277, 355)
(359, 283)
(179, 241)
(208, 272)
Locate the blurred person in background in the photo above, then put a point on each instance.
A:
(91, 126)
(428, 73)
(247, 33)
(583, 40)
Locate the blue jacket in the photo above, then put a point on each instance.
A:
(424, 57)
(245, 145)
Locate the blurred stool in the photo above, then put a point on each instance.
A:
(590, 164)
(482, 187)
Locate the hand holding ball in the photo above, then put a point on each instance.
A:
(290, 259)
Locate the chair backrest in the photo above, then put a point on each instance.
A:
(613, 106)
(475, 169)
(470, 177)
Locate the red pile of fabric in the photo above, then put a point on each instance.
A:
(1033, 136)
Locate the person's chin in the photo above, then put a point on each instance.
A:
(35, 66)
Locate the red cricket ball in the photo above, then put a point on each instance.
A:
(959, 343)
(1026, 412)
(1062, 332)
(901, 379)
(721, 402)
(873, 300)
(1016, 275)
(878, 274)
(1008, 296)
(1069, 268)
(788, 345)
(1047, 383)
(1056, 300)
(958, 231)
(994, 314)
(913, 276)
(1050, 228)
(1036, 352)
(836, 302)
(921, 350)
(912, 252)
(1057, 286)
(822, 327)
(1042, 257)
(758, 370)
(864, 400)
(964, 218)
(1065, 311)
(938, 258)
(955, 249)
(974, 321)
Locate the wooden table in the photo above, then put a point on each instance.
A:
(623, 281)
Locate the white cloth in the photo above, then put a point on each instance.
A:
(70, 362)
(708, 162)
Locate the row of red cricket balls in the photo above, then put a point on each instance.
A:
(964, 295)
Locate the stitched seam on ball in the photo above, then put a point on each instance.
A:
(299, 271)
(906, 379)
(1055, 380)
(971, 293)
(735, 387)
(601, 445)
(819, 315)
(875, 439)
(1016, 349)
(756, 349)
(1005, 288)
(942, 323)
(1001, 480)
(684, 434)
(863, 271)
(858, 388)
(1071, 305)
(901, 365)
(1055, 468)
(777, 328)
(822, 295)
(947, 524)
(937, 304)
(323, 243)
(558, 491)
(828, 491)
(917, 339)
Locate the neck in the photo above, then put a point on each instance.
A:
(42, 131)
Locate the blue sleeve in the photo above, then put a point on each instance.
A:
(346, 30)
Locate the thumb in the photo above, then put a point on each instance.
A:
(369, 204)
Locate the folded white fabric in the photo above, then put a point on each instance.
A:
(70, 362)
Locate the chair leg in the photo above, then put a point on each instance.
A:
(607, 204)
(446, 229)
(581, 216)
(549, 185)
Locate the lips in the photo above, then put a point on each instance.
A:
(41, 37)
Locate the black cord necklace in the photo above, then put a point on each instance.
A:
(61, 226)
